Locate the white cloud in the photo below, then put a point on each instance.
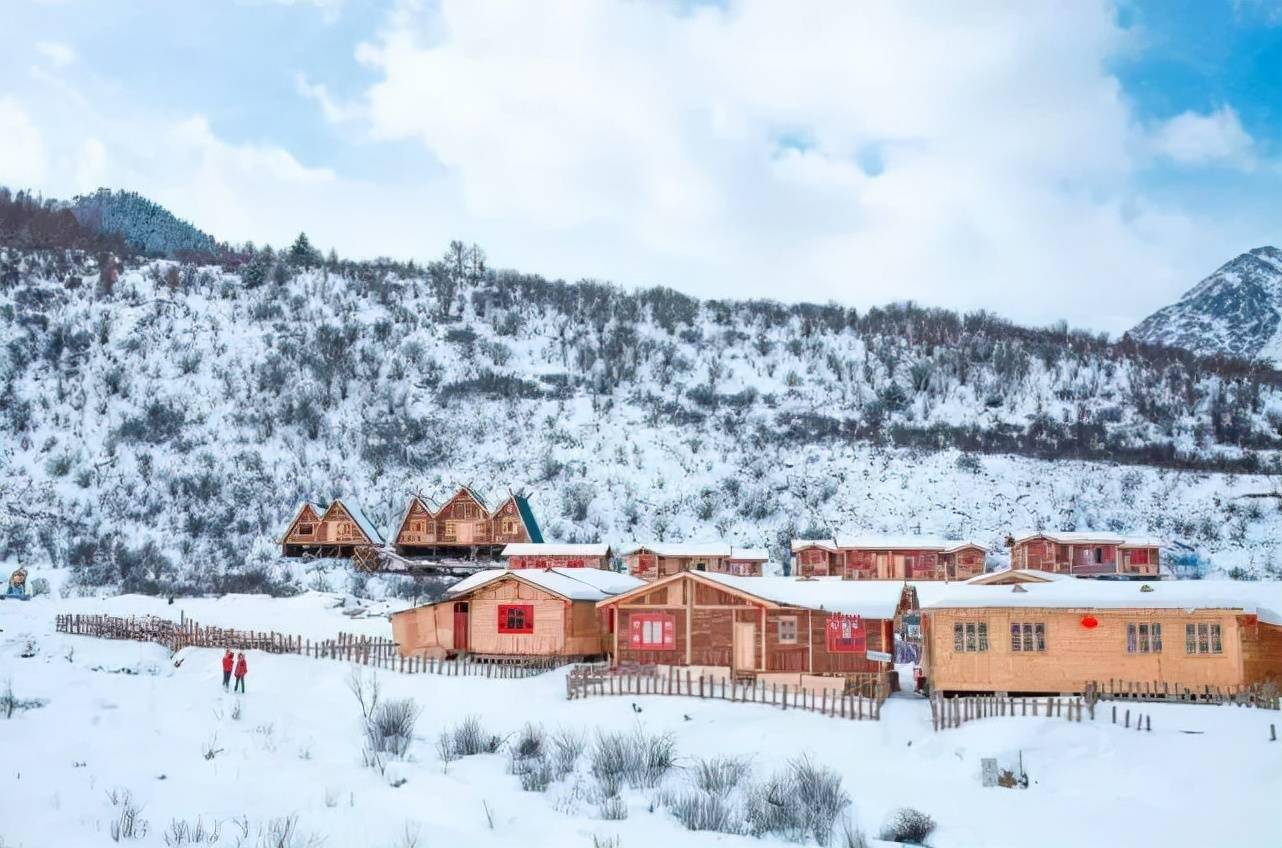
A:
(91, 165)
(1216, 138)
(59, 54)
(22, 151)
(335, 111)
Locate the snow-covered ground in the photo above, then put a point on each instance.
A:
(128, 715)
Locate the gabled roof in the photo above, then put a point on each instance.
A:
(405, 514)
(298, 514)
(1006, 575)
(527, 516)
(907, 543)
(1088, 537)
(801, 544)
(573, 584)
(867, 598)
(681, 549)
(599, 549)
(1262, 598)
(366, 526)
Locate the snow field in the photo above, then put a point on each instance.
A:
(1203, 776)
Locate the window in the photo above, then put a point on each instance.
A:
(510, 527)
(1202, 639)
(449, 529)
(1143, 638)
(516, 618)
(1027, 637)
(788, 630)
(652, 631)
(846, 634)
(306, 529)
(971, 637)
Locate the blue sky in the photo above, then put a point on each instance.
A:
(1088, 160)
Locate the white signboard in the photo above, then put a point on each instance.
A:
(879, 656)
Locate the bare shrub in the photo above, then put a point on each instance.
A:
(181, 832)
(700, 810)
(10, 703)
(129, 823)
(366, 691)
(613, 809)
(606, 841)
(530, 742)
(821, 797)
(283, 832)
(637, 759)
(770, 807)
(536, 775)
(908, 826)
(469, 738)
(851, 836)
(567, 747)
(720, 775)
(390, 727)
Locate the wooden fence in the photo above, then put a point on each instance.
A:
(348, 647)
(1262, 695)
(583, 682)
(953, 712)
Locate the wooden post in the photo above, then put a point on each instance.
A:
(1128, 719)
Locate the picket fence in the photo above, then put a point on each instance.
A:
(347, 647)
(1266, 696)
(951, 712)
(586, 681)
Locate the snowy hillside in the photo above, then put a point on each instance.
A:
(1237, 311)
(159, 425)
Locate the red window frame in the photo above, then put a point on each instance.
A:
(846, 634)
(664, 622)
(508, 616)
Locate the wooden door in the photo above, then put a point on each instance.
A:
(745, 646)
(460, 626)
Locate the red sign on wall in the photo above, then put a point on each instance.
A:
(846, 634)
(652, 631)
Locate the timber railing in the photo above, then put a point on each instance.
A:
(861, 700)
(348, 647)
(1263, 695)
(955, 711)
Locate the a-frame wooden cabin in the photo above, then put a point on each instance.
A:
(464, 527)
(333, 532)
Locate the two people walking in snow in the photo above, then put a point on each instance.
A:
(237, 667)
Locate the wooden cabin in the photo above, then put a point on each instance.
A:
(815, 558)
(522, 613)
(333, 532)
(909, 558)
(464, 527)
(752, 626)
(552, 555)
(653, 561)
(1058, 636)
(1088, 554)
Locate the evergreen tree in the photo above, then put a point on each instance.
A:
(302, 253)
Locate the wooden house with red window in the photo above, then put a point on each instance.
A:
(816, 558)
(1057, 636)
(515, 613)
(752, 626)
(909, 558)
(464, 527)
(1087, 554)
(662, 559)
(553, 555)
(332, 532)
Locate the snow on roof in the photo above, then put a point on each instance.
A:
(1263, 598)
(367, 526)
(826, 544)
(682, 549)
(555, 549)
(868, 598)
(1027, 575)
(749, 554)
(912, 543)
(1089, 537)
(577, 584)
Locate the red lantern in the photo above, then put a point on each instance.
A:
(1090, 622)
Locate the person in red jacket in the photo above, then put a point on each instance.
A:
(228, 661)
(242, 668)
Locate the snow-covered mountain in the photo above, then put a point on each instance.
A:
(1237, 311)
(159, 421)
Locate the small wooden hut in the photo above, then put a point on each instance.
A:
(662, 559)
(753, 626)
(522, 613)
(520, 555)
(1087, 554)
(1058, 636)
(464, 527)
(815, 558)
(909, 558)
(335, 531)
